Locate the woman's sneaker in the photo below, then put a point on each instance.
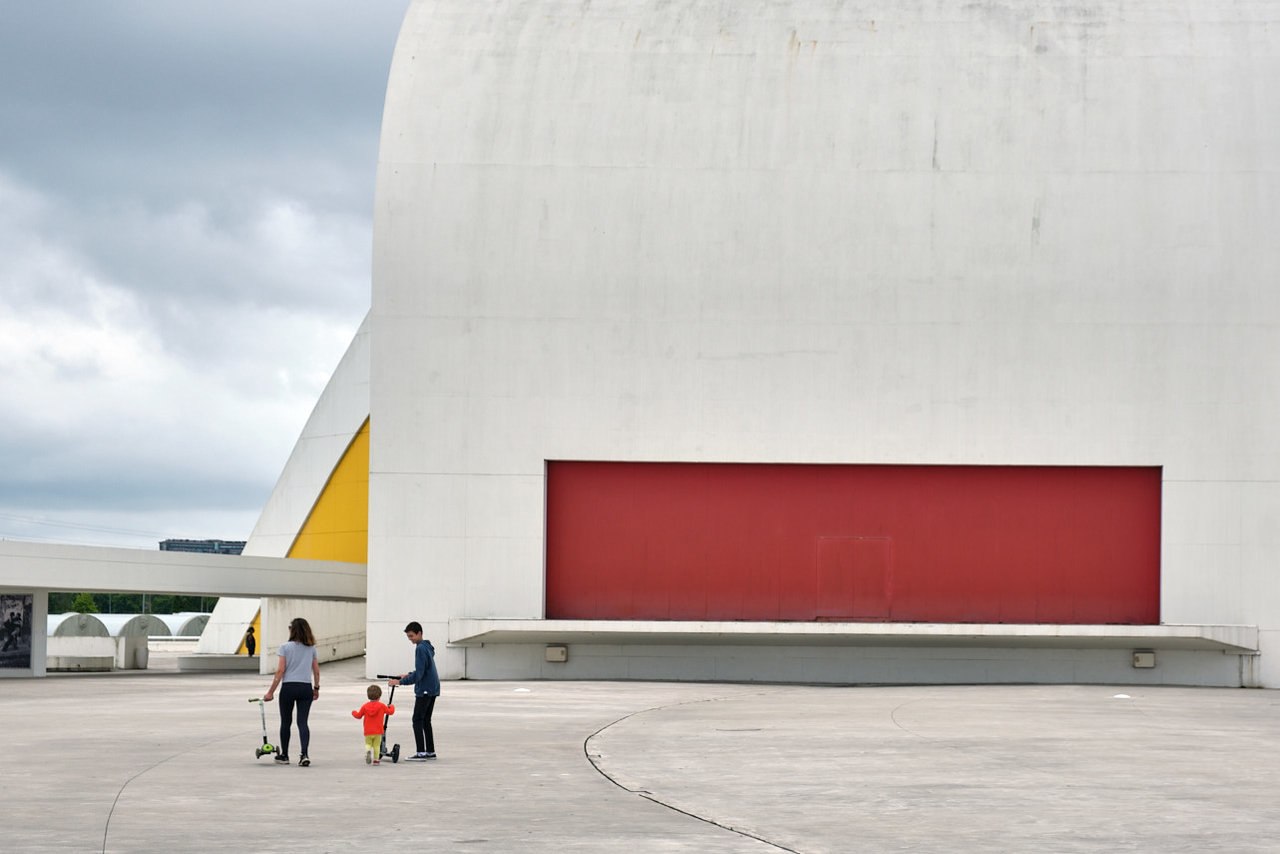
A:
(304, 761)
(282, 759)
(420, 757)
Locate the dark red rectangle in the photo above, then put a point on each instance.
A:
(966, 544)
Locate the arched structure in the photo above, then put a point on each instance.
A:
(79, 642)
(135, 625)
(73, 625)
(186, 623)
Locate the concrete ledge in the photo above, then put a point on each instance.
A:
(478, 632)
(79, 663)
(211, 662)
(49, 566)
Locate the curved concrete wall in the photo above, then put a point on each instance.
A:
(810, 231)
(135, 625)
(76, 625)
(339, 414)
(335, 421)
(186, 623)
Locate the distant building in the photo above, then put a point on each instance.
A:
(220, 547)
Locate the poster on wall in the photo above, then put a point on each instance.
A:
(15, 631)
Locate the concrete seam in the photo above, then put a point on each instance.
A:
(106, 828)
(591, 758)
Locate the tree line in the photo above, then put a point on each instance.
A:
(128, 603)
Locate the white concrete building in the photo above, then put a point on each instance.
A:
(808, 232)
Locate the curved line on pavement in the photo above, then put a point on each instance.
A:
(649, 795)
(893, 716)
(106, 828)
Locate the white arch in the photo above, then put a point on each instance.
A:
(187, 623)
(77, 625)
(135, 625)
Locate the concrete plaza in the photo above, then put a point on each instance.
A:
(164, 761)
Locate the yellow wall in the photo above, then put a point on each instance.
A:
(338, 527)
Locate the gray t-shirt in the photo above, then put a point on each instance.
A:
(297, 661)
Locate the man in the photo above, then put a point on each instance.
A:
(426, 687)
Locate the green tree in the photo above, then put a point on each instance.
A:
(191, 603)
(126, 603)
(60, 603)
(84, 604)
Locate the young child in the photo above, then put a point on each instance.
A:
(373, 712)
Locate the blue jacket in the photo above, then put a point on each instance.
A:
(424, 678)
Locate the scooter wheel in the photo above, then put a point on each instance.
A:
(395, 754)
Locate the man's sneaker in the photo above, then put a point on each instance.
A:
(368, 757)
(282, 759)
(429, 756)
(304, 761)
(419, 757)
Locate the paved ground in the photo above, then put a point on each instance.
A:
(163, 761)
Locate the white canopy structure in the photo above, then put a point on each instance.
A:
(135, 625)
(186, 623)
(76, 625)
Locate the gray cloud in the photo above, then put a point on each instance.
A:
(135, 98)
(186, 201)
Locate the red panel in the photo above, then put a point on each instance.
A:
(854, 578)
(990, 544)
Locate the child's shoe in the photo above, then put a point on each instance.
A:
(368, 757)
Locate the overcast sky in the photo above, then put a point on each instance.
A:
(186, 197)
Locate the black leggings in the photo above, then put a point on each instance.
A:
(291, 693)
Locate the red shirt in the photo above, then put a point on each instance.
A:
(372, 713)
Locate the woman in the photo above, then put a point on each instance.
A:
(298, 669)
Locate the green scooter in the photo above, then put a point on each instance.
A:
(267, 747)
